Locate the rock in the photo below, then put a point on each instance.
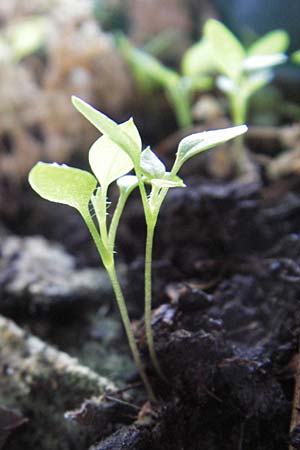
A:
(36, 275)
(42, 383)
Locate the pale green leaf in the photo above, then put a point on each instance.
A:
(258, 62)
(199, 142)
(168, 181)
(127, 140)
(198, 59)
(27, 37)
(108, 160)
(276, 41)
(127, 183)
(227, 51)
(200, 83)
(151, 165)
(225, 84)
(255, 82)
(153, 68)
(296, 57)
(63, 184)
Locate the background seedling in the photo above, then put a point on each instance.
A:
(179, 87)
(111, 158)
(242, 72)
(22, 39)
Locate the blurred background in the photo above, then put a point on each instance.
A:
(51, 49)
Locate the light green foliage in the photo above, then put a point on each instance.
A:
(243, 71)
(179, 87)
(63, 184)
(296, 57)
(199, 142)
(108, 160)
(111, 157)
(274, 42)
(198, 60)
(151, 165)
(227, 51)
(22, 39)
(126, 138)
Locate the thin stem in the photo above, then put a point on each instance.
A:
(126, 322)
(143, 192)
(179, 97)
(238, 105)
(105, 254)
(116, 219)
(148, 295)
(102, 215)
(108, 260)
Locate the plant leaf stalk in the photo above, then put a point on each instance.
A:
(107, 256)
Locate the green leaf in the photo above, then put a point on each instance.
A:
(276, 41)
(127, 183)
(168, 181)
(63, 184)
(258, 62)
(151, 165)
(296, 57)
(198, 59)
(153, 68)
(199, 142)
(27, 37)
(227, 51)
(225, 84)
(255, 82)
(200, 83)
(128, 140)
(108, 160)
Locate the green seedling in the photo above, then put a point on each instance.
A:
(22, 39)
(179, 87)
(242, 72)
(112, 157)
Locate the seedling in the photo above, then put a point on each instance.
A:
(112, 157)
(242, 71)
(179, 87)
(22, 39)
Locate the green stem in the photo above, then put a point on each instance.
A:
(116, 219)
(179, 97)
(126, 322)
(105, 254)
(238, 105)
(102, 215)
(148, 295)
(108, 260)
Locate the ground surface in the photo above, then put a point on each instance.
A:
(226, 323)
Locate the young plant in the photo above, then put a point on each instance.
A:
(22, 39)
(112, 157)
(179, 87)
(242, 71)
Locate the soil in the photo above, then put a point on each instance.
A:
(226, 321)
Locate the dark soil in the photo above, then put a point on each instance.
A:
(226, 323)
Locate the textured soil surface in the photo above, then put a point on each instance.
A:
(226, 322)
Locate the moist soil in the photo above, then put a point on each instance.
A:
(226, 321)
